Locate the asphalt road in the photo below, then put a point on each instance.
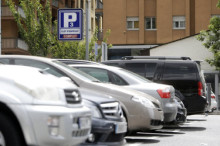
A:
(199, 130)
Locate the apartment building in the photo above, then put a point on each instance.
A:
(137, 25)
(11, 41)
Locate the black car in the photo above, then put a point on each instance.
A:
(107, 115)
(181, 72)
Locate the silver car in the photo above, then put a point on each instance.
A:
(164, 93)
(36, 110)
(142, 111)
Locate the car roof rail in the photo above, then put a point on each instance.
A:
(156, 57)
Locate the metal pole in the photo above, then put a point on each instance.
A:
(216, 90)
(0, 27)
(88, 5)
(209, 95)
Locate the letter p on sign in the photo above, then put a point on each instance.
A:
(69, 19)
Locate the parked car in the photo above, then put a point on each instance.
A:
(142, 111)
(164, 93)
(109, 125)
(182, 73)
(213, 105)
(35, 109)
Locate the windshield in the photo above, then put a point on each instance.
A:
(77, 72)
(135, 76)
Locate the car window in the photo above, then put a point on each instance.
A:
(4, 61)
(115, 79)
(33, 63)
(100, 74)
(135, 76)
(150, 70)
(138, 68)
(179, 71)
(77, 73)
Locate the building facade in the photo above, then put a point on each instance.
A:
(142, 24)
(11, 43)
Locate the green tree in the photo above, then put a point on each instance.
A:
(35, 27)
(211, 39)
(36, 30)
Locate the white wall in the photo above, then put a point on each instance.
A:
(190, 47)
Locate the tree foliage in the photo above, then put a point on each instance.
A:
(37, 31)
(35, 26)
(211, 39)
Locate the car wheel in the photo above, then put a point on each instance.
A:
(9, 135)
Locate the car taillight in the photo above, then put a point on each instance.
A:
(213, 96)
(164, 93)
(200, 88)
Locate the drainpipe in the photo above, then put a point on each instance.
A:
(0, 27)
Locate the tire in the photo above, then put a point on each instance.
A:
(10, 135)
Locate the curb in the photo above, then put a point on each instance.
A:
(215, 113)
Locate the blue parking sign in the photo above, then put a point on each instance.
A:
(70, 24)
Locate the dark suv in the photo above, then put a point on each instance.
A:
(181, 72)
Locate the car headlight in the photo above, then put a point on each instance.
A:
(94, 109)
(143, 101)
(42, 93)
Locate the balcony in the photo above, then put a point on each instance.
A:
(6, 12)
(99, 7)
(14, 46)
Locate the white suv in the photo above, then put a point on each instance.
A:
(37, 109)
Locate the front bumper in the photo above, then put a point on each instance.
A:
(170, 110)
(108, 132)
(70, 131)
(145, 118)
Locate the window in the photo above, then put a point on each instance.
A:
(150, 70)
(177, 71)
(179, 22)
(32, 63)
(103, 75)
(150, 23)
(115, 79)
(132, 23)
(99, 74)
(82, 4)
(138, 68)
(215, 15)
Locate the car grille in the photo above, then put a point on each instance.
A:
(72, 96)
(112, 110)
(79, 132)
(156, 122)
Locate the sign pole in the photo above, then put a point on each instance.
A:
(88, 4)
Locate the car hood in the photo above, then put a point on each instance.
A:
(95, 97)
(117, 91)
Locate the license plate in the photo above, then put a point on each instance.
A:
(121, 127)
(84, 123)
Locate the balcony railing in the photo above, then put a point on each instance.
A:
(6, 12)
(13, 43)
